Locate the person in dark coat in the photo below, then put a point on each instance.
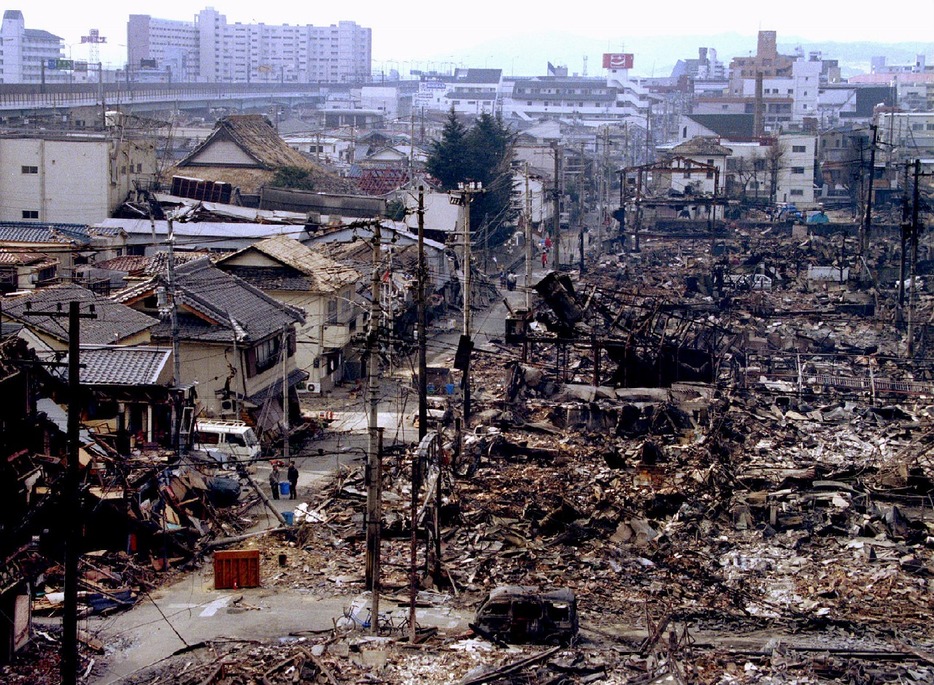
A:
(293, 481)
(274, 479)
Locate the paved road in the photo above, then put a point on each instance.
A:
(192, 611)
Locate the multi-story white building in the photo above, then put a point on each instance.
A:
(211, 50)
(612, 98)
(796, 153)
(473, 91)
(25, 54)
(70, 179)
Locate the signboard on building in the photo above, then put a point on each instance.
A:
(59, 64)
(617, 60)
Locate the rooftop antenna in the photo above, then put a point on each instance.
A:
(585, 65)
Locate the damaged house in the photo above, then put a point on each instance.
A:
(325, 290)
(231, 338)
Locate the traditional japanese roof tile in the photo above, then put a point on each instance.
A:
(258, 152)
(22, 232)
(306, 269)
(256, 137)
(214, 306)
(114, 321)
(25, 258)
(134, 366)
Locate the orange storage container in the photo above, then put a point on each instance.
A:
(236, 568)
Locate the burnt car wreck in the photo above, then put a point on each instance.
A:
(518, 615)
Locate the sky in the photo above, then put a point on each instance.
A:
(509, 35)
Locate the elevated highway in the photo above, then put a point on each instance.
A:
(21, 101)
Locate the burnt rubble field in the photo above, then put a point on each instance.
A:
(735, 483)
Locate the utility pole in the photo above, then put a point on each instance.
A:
(622, 205)
(463, 196)
(372, 476)
(915, 230)
(422, 321)
(71, 495)
(286, 424)
(100, 80)
(581, 208)
(867, 220)
(72, 499)
(905, 233)
(176, 362)
(557, 207)
(528, 242)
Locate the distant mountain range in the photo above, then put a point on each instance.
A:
(657, 55)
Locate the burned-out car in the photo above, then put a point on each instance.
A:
(518, 615)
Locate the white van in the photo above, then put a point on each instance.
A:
(226, 441)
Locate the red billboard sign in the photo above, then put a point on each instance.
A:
(617, 60)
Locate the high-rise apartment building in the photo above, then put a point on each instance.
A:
(25, 54)
(209, 49)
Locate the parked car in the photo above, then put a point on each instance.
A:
(517, 614)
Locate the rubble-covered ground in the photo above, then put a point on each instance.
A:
(765, 515)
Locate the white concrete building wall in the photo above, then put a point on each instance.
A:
(68, 181)
(382, 98)
(701, 181)
(25, 53)
(11, 42)
(796, 170)
(217, 51)
(806, 80)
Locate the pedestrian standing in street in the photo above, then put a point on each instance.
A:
(274, 481)
(293, 481)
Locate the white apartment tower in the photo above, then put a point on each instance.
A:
(211, 50)
(25, 53)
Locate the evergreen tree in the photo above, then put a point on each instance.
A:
(481, 153)
(489, 147)
(445, 157)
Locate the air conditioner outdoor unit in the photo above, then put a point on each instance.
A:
(306, 387)
(227, 405)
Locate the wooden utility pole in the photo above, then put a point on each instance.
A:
(372, 474)
(528, 242)
(905, 233)
(867, 219)
(915, 230)
(581, 208)
(71, 494)
(422, 321)
(557, 208)
(286, 424)
(464, 197)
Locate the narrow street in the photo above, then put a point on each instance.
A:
(190, 612)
